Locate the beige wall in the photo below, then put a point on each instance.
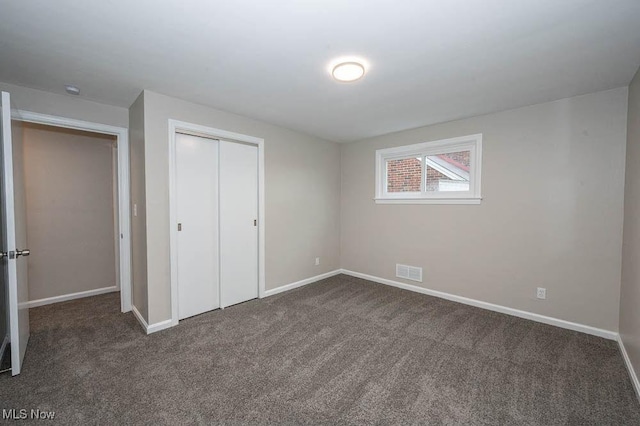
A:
(139, 292)
(551, 214)
(630, 291)
(302, 192)
(67, 106)
(70, 210)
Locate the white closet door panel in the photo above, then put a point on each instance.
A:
(238, 233)
(197, 196)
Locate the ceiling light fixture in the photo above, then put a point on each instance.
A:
(72, 90)
(348, 71)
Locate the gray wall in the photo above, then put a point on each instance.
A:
(630, 291)
(138, 222)
(70, 210)
(67, 106)
(551, 214)
(302, 197)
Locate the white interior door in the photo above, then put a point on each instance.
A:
(14, 234)
(238, 222)
(197, 211)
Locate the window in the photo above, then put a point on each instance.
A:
(439, 172)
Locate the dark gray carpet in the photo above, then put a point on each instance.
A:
(341, 351)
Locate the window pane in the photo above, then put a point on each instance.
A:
(448, 172)
(404, 175)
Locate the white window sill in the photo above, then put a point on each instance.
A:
(428, 200)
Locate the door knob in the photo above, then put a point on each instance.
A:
(25, 252)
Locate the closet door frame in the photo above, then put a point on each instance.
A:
(176, 126)
(123, 185)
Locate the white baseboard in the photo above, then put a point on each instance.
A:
(3, 347)
(66, 297)
(162, 325)
(607, 334)
(153, 327)
(630, 369)
(300, 283)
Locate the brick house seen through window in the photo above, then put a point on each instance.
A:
(444, 172)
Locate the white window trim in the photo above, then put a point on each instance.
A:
(471, 143)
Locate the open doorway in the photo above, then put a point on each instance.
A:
(109, 145)
(72, 216)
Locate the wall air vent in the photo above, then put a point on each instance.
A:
(412, 273)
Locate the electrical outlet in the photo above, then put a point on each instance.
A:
(317, 261)
(541, 293)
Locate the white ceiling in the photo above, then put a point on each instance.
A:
(430, 60)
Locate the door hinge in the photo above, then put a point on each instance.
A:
(255, 222)
(179, 227)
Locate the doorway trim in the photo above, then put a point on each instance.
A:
(213, 133)
(124, 220)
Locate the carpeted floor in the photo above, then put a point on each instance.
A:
(340, 351)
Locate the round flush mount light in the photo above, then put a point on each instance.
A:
(72, 90)
(348, 71)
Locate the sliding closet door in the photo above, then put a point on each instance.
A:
(197, 211)
(238, 222)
